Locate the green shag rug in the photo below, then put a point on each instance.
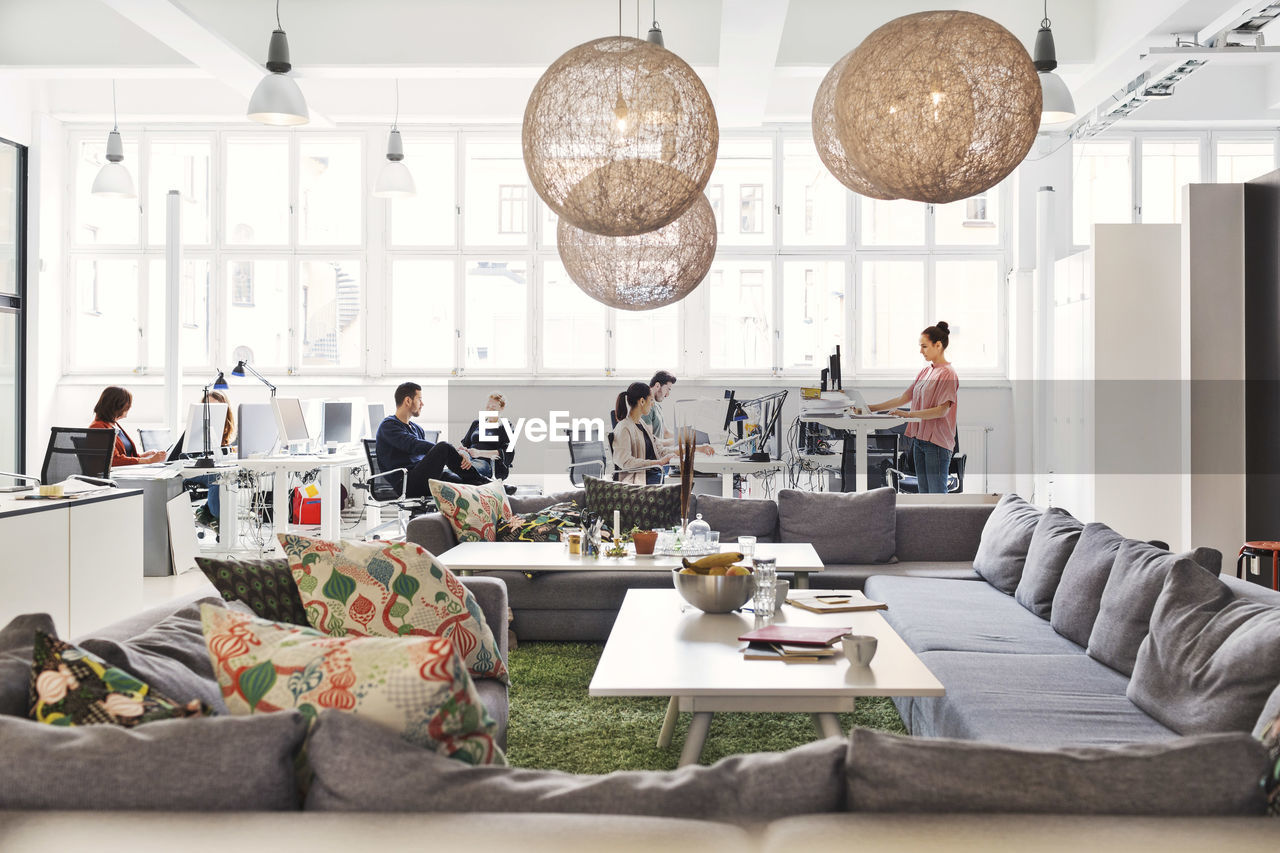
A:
(556, 725)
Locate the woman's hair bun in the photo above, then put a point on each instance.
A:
(942, 326)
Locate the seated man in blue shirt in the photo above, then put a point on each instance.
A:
(403, 444)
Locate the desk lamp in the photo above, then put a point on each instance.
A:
(219, 384)
(243, 366)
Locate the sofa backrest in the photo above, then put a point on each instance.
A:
(534, 503)
(940, 532)
(734, 517)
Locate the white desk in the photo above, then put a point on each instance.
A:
(861, 426)
(726, 465)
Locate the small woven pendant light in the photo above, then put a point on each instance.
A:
(645, 271)
(827, 141)
(938, 106)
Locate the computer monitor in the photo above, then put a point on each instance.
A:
(258, 431)
(290, 421)
(337, 423)
(733, 413)
(834, 368)
(376, 413)
(194, 439)
(772, 405)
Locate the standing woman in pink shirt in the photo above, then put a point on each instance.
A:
(933, 411)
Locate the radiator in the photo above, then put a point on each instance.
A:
(973, 443)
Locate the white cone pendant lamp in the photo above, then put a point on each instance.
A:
(1058, 105)
(113, 179)
(395, 180)
(278, 100)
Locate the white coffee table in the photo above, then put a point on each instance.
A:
(797, 557)
(661, 646)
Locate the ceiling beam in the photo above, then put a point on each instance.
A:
(750, 33)
(170, 23)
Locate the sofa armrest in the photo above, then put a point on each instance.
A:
(491, 595)
(432, 531)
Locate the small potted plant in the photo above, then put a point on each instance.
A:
(644, 540)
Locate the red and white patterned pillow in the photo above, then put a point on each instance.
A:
(415, 686)
(473, 511)
(390, 589)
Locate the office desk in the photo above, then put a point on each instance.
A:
(158, 485)
(727, 465)
(861, 426)
(79, 560)
(330, 486)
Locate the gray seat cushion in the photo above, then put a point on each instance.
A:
(1084, 577)
(1210, 775)
(1211, 660)
(494, 695)
(1124, 613)
(735, 517)
(1006, 537)
(955, 615)
(17, 641)
(1054, 539)
(843, 528)
(1035, 700)
(841, 576)
(354, 759)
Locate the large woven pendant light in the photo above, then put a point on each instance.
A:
(938, 106)
(620, 137)
(645, 271)
(827, 141)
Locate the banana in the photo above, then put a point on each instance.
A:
(714, 561)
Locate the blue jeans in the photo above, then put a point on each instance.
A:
(484, 467)
(932, 466)
(214, 502)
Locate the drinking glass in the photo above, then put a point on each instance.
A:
(747, 545)
(766, 578)
(713, 540)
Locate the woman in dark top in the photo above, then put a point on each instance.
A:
(492, 457)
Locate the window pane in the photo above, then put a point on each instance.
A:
(813, 202)
(1241, 161)
(1166, 168)
(741, 294)
(970, 222)
(497, 312)
(330, 196)
(421, 309)
(331, 306)
(1102, 186)
(193, 314)
(573, 324)
(715, 195)
(257, 194)
(181, 166)
(258, 302)
(550, 222)
(106, 312)
(10, 204)
(428, 218)
(892, 312)
(812, 312)
(744, 173)
(103, 221)
(968, 298)
(498, 192)
(648, 340)
(892, 223)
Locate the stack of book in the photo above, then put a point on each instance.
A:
(792, 644)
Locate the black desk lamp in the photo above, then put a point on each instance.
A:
(239, 370)
(219, 384)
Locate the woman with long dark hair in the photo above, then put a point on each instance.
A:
(638, 455)
(113, 405)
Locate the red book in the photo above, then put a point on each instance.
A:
(795, 635)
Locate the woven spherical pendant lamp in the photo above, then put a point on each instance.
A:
(827, 141)
(647, 270)
(620, 137)
(938, 106)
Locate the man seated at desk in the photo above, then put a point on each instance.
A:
(402, 444)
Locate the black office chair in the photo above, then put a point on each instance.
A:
(903, 477)
(431, 435)
(383, 491)
(882, 453)
(586, 459)
(78, 452)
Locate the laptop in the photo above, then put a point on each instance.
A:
(861, 403)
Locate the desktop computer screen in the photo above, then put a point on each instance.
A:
(193, 442)
(376, 414)
(337, 423)
(258, 431)
(290, 420)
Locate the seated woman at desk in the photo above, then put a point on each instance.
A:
(637, 454)
(112, 407)
(491, 457)
(208, 513)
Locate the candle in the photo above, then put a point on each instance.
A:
(617, 525)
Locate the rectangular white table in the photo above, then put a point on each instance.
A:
(660, 646)
(798, 557)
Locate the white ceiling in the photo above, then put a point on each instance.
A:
(474, 61)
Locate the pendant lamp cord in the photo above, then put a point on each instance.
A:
(395, 124)
(115, 118)
(278, 27)
(655, 11)
(1046, 23)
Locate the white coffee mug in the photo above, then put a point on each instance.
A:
(859, 648)
(782, 588)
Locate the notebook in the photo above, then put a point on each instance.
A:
(833, 602)
(795, 635)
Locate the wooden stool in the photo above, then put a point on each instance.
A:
(1260, 549)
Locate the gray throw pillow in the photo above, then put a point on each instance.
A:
(1006, 537)
(1211, 660)
(1206, 775)
(1084, 577)
(353, 759)
(734, 517)
(171, 656)
(17, 642)
(197, 764)
(1054, 539)
(842, 527)
(1124, 612)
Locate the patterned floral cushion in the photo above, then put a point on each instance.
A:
(72, 687)
(389, 589)
(1271, 782)
(473, 511)
(415, 686)
(645, 507)
(265, 585)
(541, 526)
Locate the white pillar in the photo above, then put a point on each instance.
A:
(173, 408)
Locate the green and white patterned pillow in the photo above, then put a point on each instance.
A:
(645, 507)
(473, 511)
(541, 526)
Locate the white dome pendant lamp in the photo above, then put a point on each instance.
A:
(1058, 106)
(395, 180)
(278, 100)
(113, 179)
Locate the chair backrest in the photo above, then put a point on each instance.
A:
(383, 488)
(77, 450)
(585, 451)
(431, 435)
(155, 439)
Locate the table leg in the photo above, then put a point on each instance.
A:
(860, 443)
(280, 501)
(726, 484)
(828, 725)
(696, 739)
(802, 580)
(669, 723)
(228, 517)
(330, 504)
